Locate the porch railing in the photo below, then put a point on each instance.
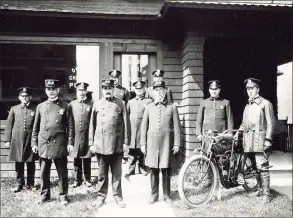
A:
(284, 135)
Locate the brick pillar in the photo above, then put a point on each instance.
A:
(192, 90)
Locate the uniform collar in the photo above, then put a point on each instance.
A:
(55, 100)
(25, 105)
(257, 99)
(110, 99)
(83, 100)
(216, 98)
(160, 102)
(140, 98)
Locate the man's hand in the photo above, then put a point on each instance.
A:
(70, 148)
(35, 149)
(125, 148)
(199, 137)
(175, 149)
(7, 144)
(236, 136)
(92, 149)
(143, 150)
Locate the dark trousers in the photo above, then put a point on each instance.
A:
(114, 161)
(166, 172)
(61, 167)
(78, 162)
(19, 169)
(134, 156)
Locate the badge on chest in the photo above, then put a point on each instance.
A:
(61, 111)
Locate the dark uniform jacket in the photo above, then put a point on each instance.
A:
(135, 109)
(121, 93)
(150, 94)
(214, 114)
(18, 132)
(159, 125)
(81, 112)
(53, 129)
(258, 124)
(109, 126)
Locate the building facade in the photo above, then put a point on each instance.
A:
(192, 41)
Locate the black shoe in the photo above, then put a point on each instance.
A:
(17, 189)
(143, 172)
(75, 184)
(99, 203)
(152, 200)
(128, 174)
(64, 201)
(31, 187)
(168, 200)
(88, 184)
(43, 200)
(120, 202)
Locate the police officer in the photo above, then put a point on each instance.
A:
(158, 76)
(215, 112)
(135, 109)
(81, 109)
(108, 138)
(257, 126)
(52, 132)
(17, 137)
(119, 92)
(159, 118)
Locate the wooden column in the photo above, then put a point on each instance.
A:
(192, 89)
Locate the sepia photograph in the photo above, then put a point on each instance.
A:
(146, 108)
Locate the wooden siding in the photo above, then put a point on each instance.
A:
(8, 170)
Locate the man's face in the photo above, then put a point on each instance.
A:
(139, 92)
(157, 78)
(252, 91)
(81, 94)
(159, 93)
(24, 98)
(116, 80)
(52, 92)
(107, 92)
(214, 92)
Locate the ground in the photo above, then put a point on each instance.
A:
(235, 202)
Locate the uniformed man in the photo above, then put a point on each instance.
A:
(17, 137)
(215, 112)
(108, 138)
(135, 109)
(160, 120)
(119, 92)
(257, 126)
(81, 109)
(158, 76)
(52, 136)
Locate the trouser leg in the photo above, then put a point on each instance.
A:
(19, 169)
(87, 169)
(132, 162)
(262, 162)
(154, 175)
(166, 182)
(78, 170)
(103, 176)
(61, 167)
(116, 169)
(45, 177)
(31, 168)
